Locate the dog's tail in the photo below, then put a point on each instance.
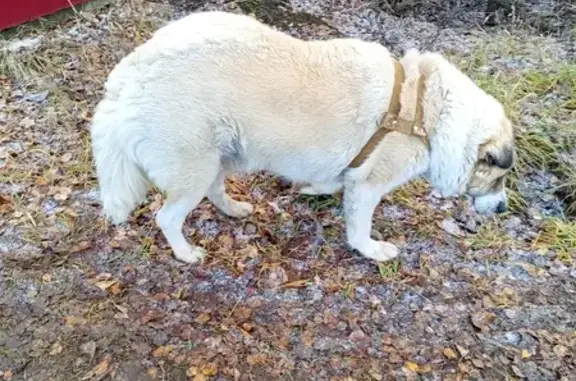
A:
(123, 184)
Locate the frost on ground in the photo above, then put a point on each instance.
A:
(280, 296)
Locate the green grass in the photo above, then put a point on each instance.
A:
(389, 270)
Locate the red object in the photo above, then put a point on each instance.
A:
(16, 12)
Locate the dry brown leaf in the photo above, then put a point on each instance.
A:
(243, 313)
(66, 157)
(55, 349)
(463, 351)
(449, 353)
(376, 376)
(153, 372)
(116, 289)
(74, 320)
(308, 338)
(297, 283)
(8, 374)
(256, 359)
(192, 371)
(163, 351)
(210, 369)
(525, 354)
(105, 284)
(27, 122)
(202, 318)
(482, 319)
(411, 366)
(478, 363)
(41, 181)
(63, 194)
(199, 377)
(102, 367)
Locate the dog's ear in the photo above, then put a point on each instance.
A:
(451, 157)
(497, 155)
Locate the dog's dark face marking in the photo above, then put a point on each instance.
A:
(495, 160)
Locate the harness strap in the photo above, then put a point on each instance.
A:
(391, 122)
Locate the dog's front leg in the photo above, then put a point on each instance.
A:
(360, 201)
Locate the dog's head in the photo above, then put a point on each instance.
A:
(486, 184)
(472, 141)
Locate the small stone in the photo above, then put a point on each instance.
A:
(451, 227)
(471, 226)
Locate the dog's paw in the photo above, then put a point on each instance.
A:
(381, 251)
(191, 254)
(240, 209)
(318, 189)
(309, 191)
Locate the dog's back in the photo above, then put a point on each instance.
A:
(215, 87)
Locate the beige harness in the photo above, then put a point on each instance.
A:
(390, 122)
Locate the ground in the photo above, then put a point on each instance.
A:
(280, 295)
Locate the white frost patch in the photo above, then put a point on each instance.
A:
(24, 44)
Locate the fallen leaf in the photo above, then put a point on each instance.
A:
(89, 348)
(192, 371)
(394, 358)
(116, 289)
(482, 319)
(463, 351)
(243, 313)
(411, 366)
(41, 181)
(449, 353)
(199, 377)
(478, 363)
(375, 375)
(256, 359)
(202, 318)
(517, 371)
(163, 351)
(153, 372)
(308, 338)
(73, 320)
(8, 374)
(297, 283)
(102, 367)
(560, 350)
(27, 122)
(525, 354)
(209, 369)
(105, 284)
(55, 349)
(63, 194)
(66, 157)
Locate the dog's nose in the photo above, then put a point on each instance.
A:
(502, 207)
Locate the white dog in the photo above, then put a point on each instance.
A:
(216, 92)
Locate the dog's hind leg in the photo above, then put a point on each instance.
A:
(185, 189)
(217, 195)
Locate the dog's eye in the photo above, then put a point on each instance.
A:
(489, 160)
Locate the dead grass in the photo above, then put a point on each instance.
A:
(490, 236)
(559, 236)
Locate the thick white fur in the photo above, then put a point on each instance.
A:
(215, 92)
